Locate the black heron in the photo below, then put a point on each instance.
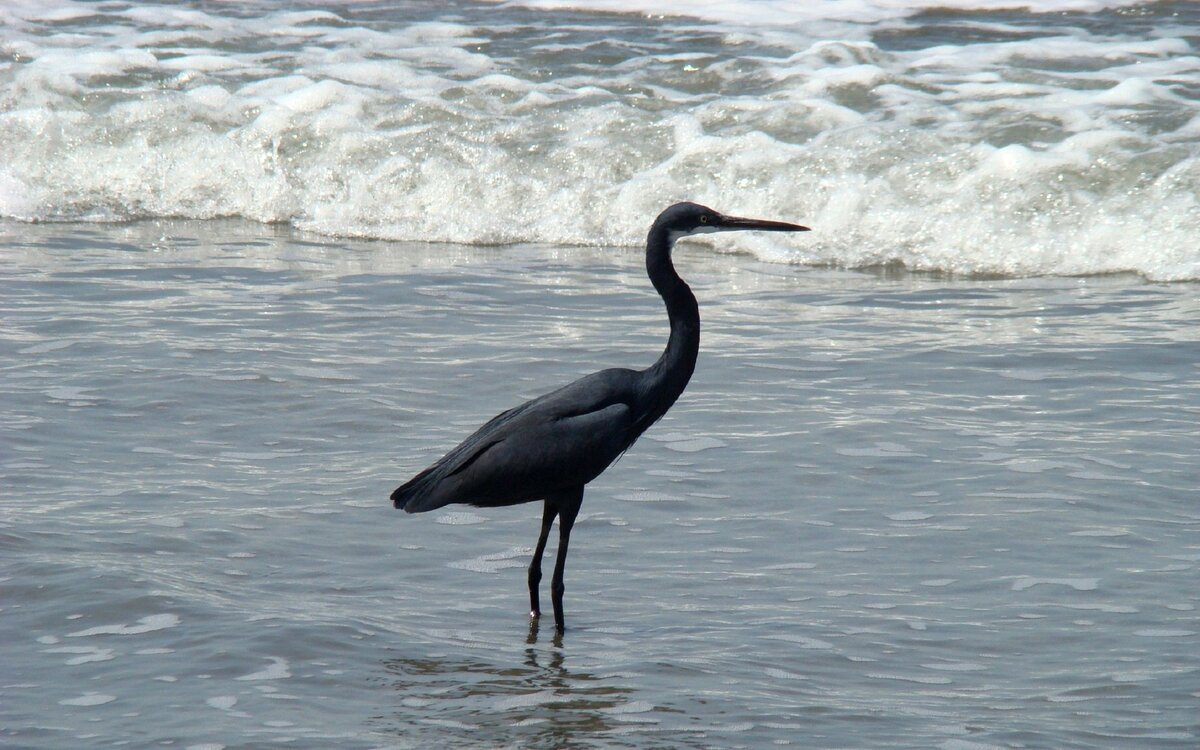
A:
(549, 448)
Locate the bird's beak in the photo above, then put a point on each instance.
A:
(731, 223)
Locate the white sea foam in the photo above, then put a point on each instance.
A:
(789, 12)
(86, 654)
(1164, 633)
(920, 679)
(146, 624)
(632, 707)
(494, 562)
(1079, 584)
(460, 518)
(909, 515)
(276, 670)
(1066, 151)
(803, 641)
(527, 700)
(88, 699)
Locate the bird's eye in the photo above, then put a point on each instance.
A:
(703, 218)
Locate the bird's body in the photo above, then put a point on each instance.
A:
(550, 447)
(559, 440)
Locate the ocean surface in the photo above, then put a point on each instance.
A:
(933, 484)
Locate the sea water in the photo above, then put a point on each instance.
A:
(953, 138)
(933, 483)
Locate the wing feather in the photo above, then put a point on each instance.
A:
(567, 436)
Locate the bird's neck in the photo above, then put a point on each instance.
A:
(670, 374)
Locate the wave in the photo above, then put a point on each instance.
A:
(790, 12)
(980, 147)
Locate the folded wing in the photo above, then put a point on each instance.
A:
(563, 439)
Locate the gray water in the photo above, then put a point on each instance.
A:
(892, 510)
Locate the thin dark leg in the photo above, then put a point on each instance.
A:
(535, 565)
(568, 508)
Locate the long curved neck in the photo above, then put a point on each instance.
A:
(667, 377)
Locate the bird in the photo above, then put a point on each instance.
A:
(551, 447)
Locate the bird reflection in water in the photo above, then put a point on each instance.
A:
(535, 702)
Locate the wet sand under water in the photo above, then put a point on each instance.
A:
(891, 510)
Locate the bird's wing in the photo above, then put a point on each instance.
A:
(563, 438)
(541, 457)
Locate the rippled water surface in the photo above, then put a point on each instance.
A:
(890, 511)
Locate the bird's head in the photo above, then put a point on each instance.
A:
(683, 219)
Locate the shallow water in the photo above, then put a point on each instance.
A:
(891, 510)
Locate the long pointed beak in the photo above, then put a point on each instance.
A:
(731, 223)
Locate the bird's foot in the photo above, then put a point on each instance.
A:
(534, 614)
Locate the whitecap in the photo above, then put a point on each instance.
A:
(802, 641)
(960, 666)
(959, 744)
(526, 700)
(879, 450)
(695, 445)
(47, 346)
(88, 699)
(648, 496)
(460, 518)
(1079, 584)
(86, 654)
(69, 393)
(920, 679)
(632, 707)
(1034, 465)
(1124, 609)
(146, 624)
(277, 670)
(222, 702)
(909, 515)
(893, 154)
(495, 562)
(253, 455)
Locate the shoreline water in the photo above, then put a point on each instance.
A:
(978, 491)
(932, 485)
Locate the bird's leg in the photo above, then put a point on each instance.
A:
(535, 565)
(568, 508)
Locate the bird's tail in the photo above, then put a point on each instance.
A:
(416, 495)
